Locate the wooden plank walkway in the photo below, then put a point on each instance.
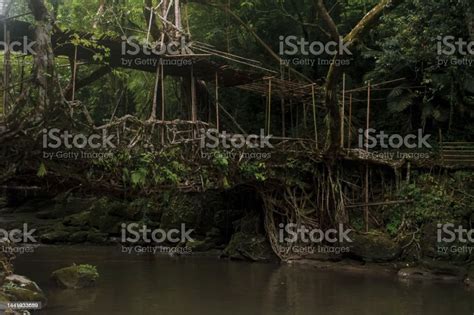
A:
(458, 153)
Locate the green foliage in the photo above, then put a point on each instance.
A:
(405, 46)
(254, 170)
(88, 269)
(435, 200)
(42, 171)
(220, 160)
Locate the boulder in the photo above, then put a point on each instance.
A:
(53, 237)
(75, 277)
(252, 247)
(201, 245)
(79, 237)
(96, 237)
(373, 247)
(79, 219)
(444, 269)
(23, 282)
(21, 289)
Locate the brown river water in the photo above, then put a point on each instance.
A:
(163, 285)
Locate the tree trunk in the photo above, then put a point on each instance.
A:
(335, 72)
(44, 58)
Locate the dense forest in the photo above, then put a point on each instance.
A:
(242, 121)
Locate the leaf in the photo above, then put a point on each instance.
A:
(42, 170)
(139, 177)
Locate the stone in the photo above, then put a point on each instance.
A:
(53, 237)
(373, 247)
(200, 245)
(75, 277)
(252, 247)
(21, 289)
(97, 237)
(79, 237)
(444, 268)
(81, 219)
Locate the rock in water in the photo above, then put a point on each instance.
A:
(76, 276)
(21, 289)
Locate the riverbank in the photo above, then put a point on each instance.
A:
(236, 233)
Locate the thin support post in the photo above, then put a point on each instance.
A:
(343, 108)
(74, 74)
(193, 97)
(186, 18)
(367, 125)
(292, 126)
(441, 143)
(217, 104)
(366, 208)
(269, 106)
(305, 119)
(162, 103)
(350, 122)
(155, 94)
(177, 16)
(6, 79)
(315, 123)
(283, 127)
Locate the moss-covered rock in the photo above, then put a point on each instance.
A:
(19, 288)
(75, 277)
(201, 245)
(96, 237)
(444, 268)
(78, 237)
(17, 294)
(4, 299)
(6, 257)
(250, 247)
(249, 243)
(81, 219)
(106, 214)
(53, 237)
(373, 247)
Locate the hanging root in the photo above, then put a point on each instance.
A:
(320, 204)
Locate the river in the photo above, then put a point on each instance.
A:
(163, 285)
